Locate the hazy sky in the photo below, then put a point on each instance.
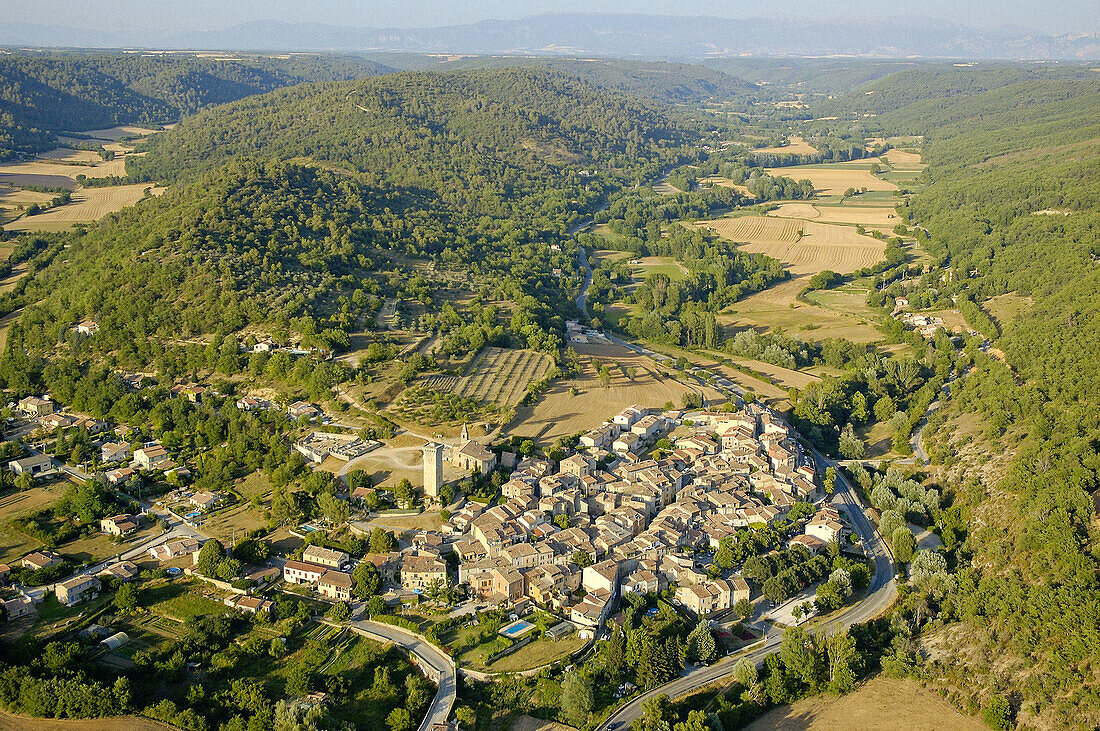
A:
(1063, 16)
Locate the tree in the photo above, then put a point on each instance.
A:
(904, 544)
(126, 598)
(562, 521)
(655, 712)
(211, 555)
(701, 645)
(744, 672)
(829, 597)
(334, 510)
(400, 720)
(889, 521)
(830, 480)
(582, 558)
(858, 411)
(744, 608)
(885, 408)
(382, 541)
(366, 581)
(578, 697)
(405, 494)
(696, 721)
(340, 612)
(724, 557)
(843, 661)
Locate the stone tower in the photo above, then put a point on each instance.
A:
(433, 469)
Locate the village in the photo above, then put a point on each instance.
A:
(641, 505)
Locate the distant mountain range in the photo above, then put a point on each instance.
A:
(643, 36)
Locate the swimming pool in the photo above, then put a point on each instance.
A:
(517, 629)
(194, 514)
(307, 528)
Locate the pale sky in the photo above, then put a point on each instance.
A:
(1063, 16)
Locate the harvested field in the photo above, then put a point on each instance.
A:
(39, 168)
(783, 377)
(558, 413)
(795, 146)
(15, 197)
(12, 722)
(821, 246)
(501, 375)
(64, 154)
(119, 133)
(89, 204)
(755, 230)
(880, 703)
(727, 183)
(47, 181)
(13, 544)
(834, 180)
(881, 216)
(901, 157)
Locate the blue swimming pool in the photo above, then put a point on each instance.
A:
(517, 628)
(307, 528)
(193, 514)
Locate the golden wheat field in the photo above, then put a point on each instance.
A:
(64, 154)
(884, 216)
(102, 169)
(119, 133)
(89, 204)
(795, 146)
(726, 183)
(834, 180)
(755, 229)
(901, 157)
(821, 246)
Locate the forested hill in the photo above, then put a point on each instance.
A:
(1013, 210)
(299, 209)
(937, 83)
(45, 93)
(527, 144)
(658, 81)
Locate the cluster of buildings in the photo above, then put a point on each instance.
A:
(318, 446)
(609, 520)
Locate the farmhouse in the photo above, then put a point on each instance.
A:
(251, 604)
(35, 465)
(19, 607)
(708, 597)
(335, 585)
(325, 557)
(418, 572)
(298, 409)
(56, 421)
(35, 406)
(122, 571)
(77, 589)
(174, 549)
(151, 455)
(300, 572)
(120, 525)
(253, 403)
(115, 452)
(86, 327)
(206, 500)
(40, 560)
(122, 474)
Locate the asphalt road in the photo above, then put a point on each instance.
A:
(431, 661)
(880, 595)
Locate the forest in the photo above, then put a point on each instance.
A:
(1015, 210)
(47, 93)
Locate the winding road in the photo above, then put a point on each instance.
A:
(437, 666)
(880, 596)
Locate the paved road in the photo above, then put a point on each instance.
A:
(582, 298)
(432, 662)
(880, 596)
